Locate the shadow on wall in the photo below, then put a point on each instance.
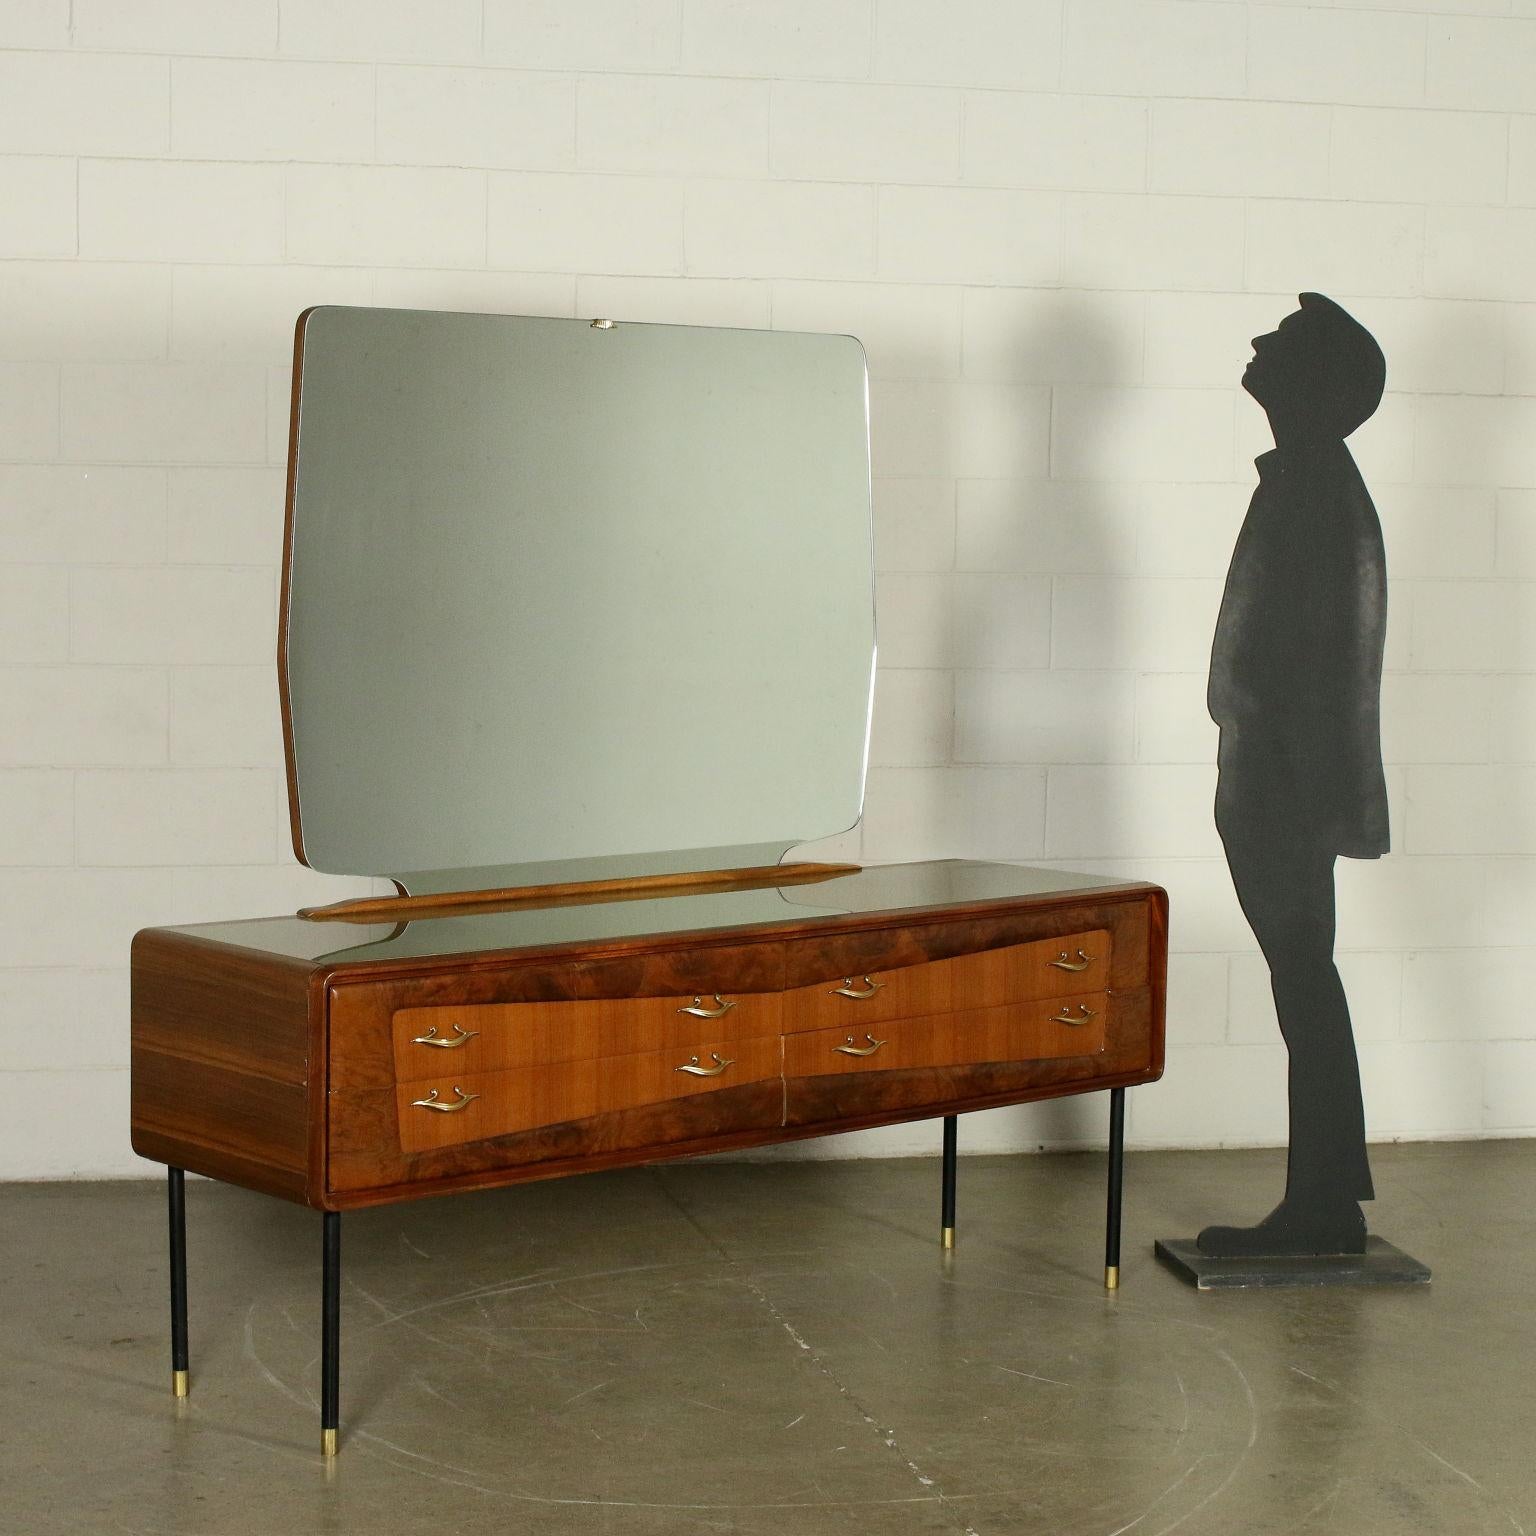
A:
(1023, 544)
(1077, 711)
(1452, 735)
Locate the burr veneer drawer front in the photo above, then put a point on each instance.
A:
(491, 1037)
(455, 1108)
(1036, 1031)
(1016, 973)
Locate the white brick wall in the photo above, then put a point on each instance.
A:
(1055, 223)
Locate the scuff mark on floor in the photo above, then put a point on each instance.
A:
(272, 1379)
(1050, 1381)
(587, 1392)
(1414, 1440)
(1242, 1455)
(1172, 1487)
(887, 1436)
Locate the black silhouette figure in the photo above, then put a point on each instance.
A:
(1295, 687)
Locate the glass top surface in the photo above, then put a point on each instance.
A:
(881, 888)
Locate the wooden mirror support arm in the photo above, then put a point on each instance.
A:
(385, 909)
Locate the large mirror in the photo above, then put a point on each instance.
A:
(570, 595)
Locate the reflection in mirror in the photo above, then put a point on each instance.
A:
(571, 600)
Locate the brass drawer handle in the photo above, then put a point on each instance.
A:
(1083, 1014)
(461, 1036)
(1062, 963)
(463, 1101)
(850, 1049)
(699, 1011)
(849, 990)
(693, 1069)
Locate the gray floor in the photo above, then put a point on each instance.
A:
(774, 1349)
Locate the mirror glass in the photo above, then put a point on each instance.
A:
(559, 592)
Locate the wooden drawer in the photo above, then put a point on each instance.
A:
(587, 1008)
(557, 1093)
(1022, 973)
(495, 1037)
(1015, 973)
(1034, 1031)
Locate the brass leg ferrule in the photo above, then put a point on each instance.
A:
(1111, 1277)
(179, 1385)
(327, 1442)
(948, 1238)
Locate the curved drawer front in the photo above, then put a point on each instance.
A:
(1017, 973)
(455, 1108)
(430, 1043)
(1035, 1031)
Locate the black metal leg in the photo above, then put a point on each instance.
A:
(947, 1218)
(330, 1334)
(1116, 1186)
(176, 1193)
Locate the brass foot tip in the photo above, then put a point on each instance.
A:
(1111, 1277)
(949, 1237)
(327, 1442)
(179, 1384)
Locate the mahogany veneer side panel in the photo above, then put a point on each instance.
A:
(216, 1162)
(1156, 915)
(227, 1070)
(237, 1007)
(207, 1106)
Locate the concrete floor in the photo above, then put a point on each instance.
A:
(774, 1349)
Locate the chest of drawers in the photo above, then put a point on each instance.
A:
(477, 1052)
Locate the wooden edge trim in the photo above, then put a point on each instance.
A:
(285, 702)
(374, 909)
(1157, 944)
(179, 937)
(317, 1110)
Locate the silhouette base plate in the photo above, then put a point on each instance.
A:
(1380, 1264)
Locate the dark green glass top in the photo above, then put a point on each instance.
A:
(881, 888)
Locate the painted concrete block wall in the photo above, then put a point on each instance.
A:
(1055, 224)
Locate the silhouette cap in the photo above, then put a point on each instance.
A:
(1349, 372)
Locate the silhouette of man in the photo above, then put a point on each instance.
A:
(1295, 687)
